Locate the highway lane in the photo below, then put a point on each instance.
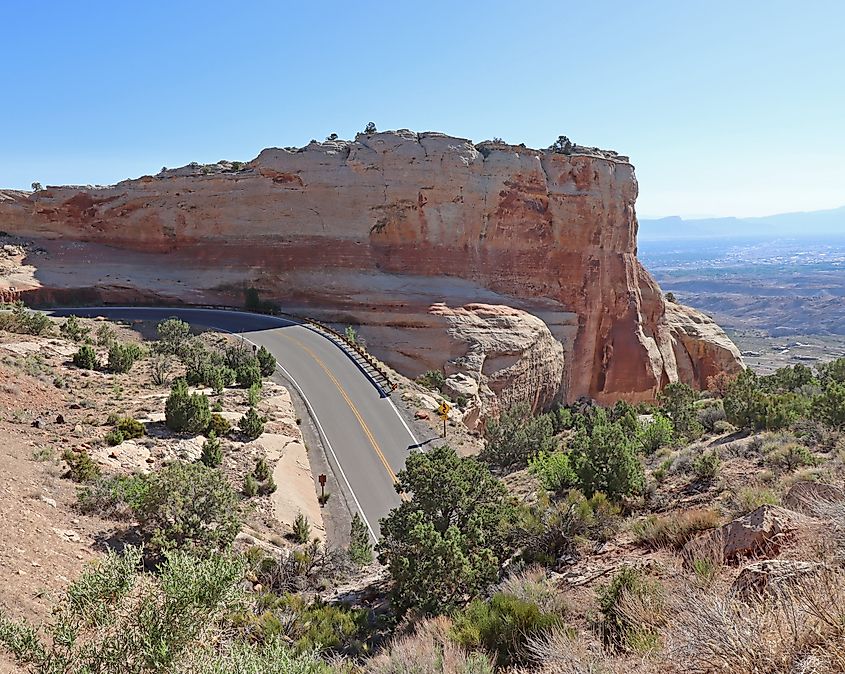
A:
(364, 434)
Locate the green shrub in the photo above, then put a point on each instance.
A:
(122, 357)
(655, 434)
(502, 626)
(115, 497)
(606, 460)
(268, 487)
(188, 506)
(250, 487)
(212, 451)
(81, 468)
(832, 371)
(675, 530)
(105, 335)
(360, 549)
(251, 424)
(790, 456)
(516, 437)
(433, 379)
(261, 470)
(301, 529)
(455, 517)
(131, 428)
(114, 437)
(723, 427)
(73, 330)
(249, 374)
(751, 498)
(706, 465)
(254, 395)
(554, 470)
(184, 412)
(829, 407)
(678, 403)
(619, 631)
(116, 618)
(86, 357)
(219, 425)
(711, 415)
(172, 335)
(266, 362)
(23, 321)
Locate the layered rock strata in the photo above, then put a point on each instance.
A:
(402, 234)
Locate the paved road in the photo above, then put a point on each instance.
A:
(364, 434)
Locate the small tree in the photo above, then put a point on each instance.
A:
(251, 424)
(252, 301)
(249, 374)
(562, 145)
(454, 518)
(212, 451)
(606, 460)
(516, 437)
(655, 434)
(266, 362)
(829, 407)
(36, 187)
(172, 334)
(301, 529)
(678, 401)
(122, 357)
(360, 548)
(86, 357)
(250, 487)
(189, 506)
(73, 330)
(370, 129)
(262, 470)
(186, 412)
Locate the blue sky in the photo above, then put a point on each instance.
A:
(726, 108)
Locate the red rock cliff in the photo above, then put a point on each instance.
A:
(375, 231)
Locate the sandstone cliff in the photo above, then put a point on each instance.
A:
(375, 232)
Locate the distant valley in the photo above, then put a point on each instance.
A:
(781, 296)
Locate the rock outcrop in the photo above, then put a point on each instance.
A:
(377, 230)
(759, 533)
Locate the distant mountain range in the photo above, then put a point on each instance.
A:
(811, 223)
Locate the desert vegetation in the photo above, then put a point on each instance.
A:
(703, 533)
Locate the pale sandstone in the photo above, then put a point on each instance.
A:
(375, 231)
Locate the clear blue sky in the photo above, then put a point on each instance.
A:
(725, 107)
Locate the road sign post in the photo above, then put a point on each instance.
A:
(322, 480)
(443, 411)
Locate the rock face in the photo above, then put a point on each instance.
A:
(761, 532)
(376, 231)
(772, 576)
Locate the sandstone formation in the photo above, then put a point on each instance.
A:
(378, 230)
(761, 532)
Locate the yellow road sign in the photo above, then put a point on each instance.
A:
(444, 409)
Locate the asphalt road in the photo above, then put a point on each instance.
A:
(364, 435)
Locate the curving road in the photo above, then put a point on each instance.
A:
(365, 437)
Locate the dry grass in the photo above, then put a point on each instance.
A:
(674, 530)
(781, 633)
(560, 652)
(428, 650)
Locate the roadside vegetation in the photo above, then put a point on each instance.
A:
(581, 539)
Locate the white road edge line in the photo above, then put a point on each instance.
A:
(316, 419)
(299, 390)
(407, 428)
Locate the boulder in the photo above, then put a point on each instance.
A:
(772, 576)
(760, 533)
(805, 496)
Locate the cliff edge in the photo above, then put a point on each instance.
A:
(401, 233)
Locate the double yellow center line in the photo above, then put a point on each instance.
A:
(349, 402)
